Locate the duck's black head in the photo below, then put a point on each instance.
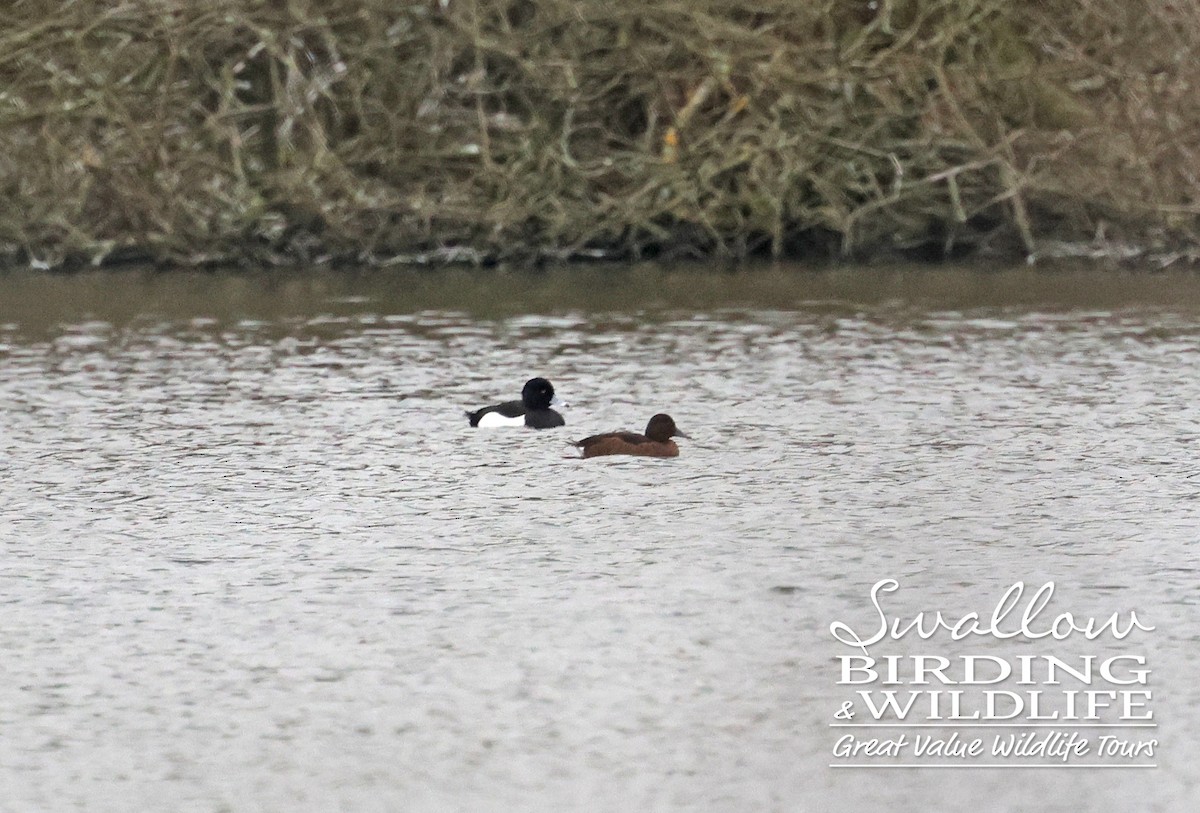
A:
(537, 394)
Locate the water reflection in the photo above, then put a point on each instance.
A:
(254, 552)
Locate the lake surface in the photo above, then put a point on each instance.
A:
(253, 559)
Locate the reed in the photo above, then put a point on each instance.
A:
(371, 131)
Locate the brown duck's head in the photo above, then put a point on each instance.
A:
(662, 428)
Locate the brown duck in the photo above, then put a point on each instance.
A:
(655, 443)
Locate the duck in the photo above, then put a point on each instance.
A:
(533, 410)
(655, 443)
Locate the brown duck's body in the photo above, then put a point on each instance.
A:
(655, 443)
(626, 443)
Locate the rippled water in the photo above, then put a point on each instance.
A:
(254, 559)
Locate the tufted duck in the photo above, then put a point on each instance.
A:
(532, 410)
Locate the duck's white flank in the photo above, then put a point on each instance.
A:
(492, 420)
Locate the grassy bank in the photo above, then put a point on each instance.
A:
(376, 131)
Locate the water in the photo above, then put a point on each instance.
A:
(254, 560)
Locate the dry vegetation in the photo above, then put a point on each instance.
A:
(484, 130)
